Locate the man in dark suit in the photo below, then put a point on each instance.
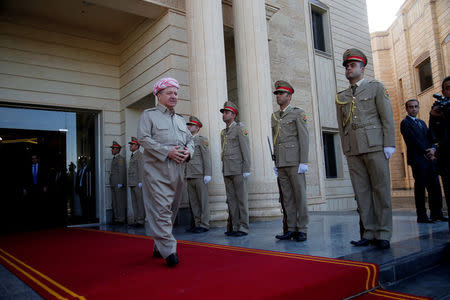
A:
(35, 185)
(415, 134)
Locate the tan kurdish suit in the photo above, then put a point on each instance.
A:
(196, 169)
(366, 126)
(135, 173)
(236, 161)
(158, 131)
(118, 175)
(291, 146)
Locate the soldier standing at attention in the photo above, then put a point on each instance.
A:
(198, 175)
(135, 171)
(291, 146)
(167, 144)
(117, 181)
(366, 127)
(236, 169)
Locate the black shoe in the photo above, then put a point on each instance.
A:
(301, 237)
(361, 243)
(239, 233)
(200, 230)
(424, 220)
(157, 254)
(230, 233)
(383, 244)
(172, 260)
(191, 229)
(287, 236)
(441, 218)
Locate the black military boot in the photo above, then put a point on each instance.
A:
(287, 236)
(172, 260)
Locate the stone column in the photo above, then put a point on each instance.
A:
(255, 101)
(208, 86)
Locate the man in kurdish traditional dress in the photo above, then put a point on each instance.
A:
(167, 144)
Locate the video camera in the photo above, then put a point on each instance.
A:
(442, 102)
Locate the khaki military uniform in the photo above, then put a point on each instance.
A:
(236, 161)
(198, 167)
(135, 172)
(366, 126)
(118, 175)
(291, 146)
(158, 131)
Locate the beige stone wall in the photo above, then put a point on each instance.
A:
(384, 64)
(289, 60)
(154, 50)
(418, 32)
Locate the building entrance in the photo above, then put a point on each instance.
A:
(62, 192)
(39, 199)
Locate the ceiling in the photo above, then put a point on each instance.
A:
(106, 20)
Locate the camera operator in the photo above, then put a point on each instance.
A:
(440, 135)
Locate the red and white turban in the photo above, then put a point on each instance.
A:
(165, 83)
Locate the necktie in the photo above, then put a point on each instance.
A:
(34, 174)
(281, 113)
(418, 123)
(81, 176)
(354, 88)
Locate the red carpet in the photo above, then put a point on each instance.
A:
(82, 263)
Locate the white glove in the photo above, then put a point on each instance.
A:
(119, 185)
(245, 175)
(388, 151)
(206, 179)
(275, 170)
(302, 168)
(140, 185)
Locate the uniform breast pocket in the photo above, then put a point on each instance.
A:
(232, 144)
(366, 103)
(197, 153)
(161, 132)
(182, 127)
(290, 128)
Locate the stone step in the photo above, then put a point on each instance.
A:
(414, 263)
(408, 257)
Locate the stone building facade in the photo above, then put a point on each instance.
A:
(411, 58)
(99, 59)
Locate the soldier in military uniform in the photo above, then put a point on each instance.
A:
(198, 175)
(167, 144)
(135, 171)
(117, 182)
(366, 127)
(291, 146)
(236, 169)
